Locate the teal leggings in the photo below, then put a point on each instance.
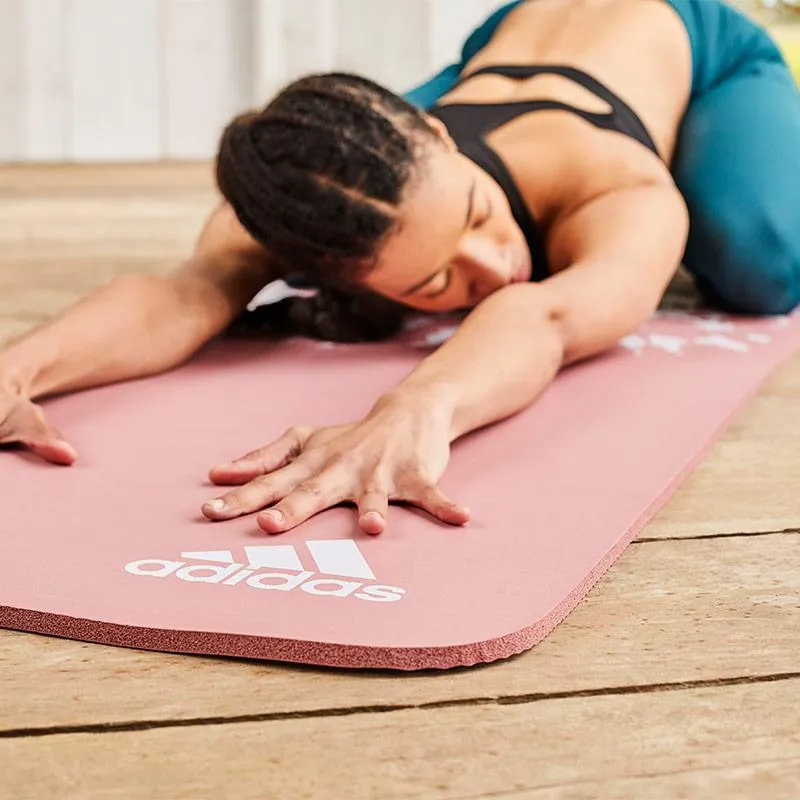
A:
(737, 161)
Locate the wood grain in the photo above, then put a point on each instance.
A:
(727, 741)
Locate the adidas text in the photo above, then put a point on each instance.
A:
(332, 557)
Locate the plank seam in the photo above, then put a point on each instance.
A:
(524, 699)
(705, 537)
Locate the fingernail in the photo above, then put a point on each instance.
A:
(226, 465)
(216, 506)
(276, 515)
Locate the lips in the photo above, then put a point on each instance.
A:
(523, 270)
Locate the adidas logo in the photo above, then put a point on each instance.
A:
(339, 557)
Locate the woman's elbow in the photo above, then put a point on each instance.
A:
(585, 334)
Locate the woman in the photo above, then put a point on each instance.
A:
(563, 170)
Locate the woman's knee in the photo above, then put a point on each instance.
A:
(776, 288)
(755, 270)
(737, 163)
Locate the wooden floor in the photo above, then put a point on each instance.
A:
(678, 677)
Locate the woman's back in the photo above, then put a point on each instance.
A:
(639, 48)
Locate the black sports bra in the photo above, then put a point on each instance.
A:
(470, 123)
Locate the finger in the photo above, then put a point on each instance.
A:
(262, 491)
(40, 438)
(304, 502)
(263, 461)
(373, 509)
(436, 503)
(53, 450)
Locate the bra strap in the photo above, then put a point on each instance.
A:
(618, 105)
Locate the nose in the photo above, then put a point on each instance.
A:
(484, 262)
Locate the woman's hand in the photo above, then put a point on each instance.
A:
(398, 453)
(22, 422)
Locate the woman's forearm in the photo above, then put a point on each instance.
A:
(499, 361)
(141, 325)
(135, 326)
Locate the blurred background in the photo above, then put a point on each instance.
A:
(147, 80)
(100, 80)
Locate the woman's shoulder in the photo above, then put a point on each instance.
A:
(560, 166)
(224, 232)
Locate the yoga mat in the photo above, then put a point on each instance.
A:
(115, 550)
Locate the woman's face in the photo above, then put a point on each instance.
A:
(456, 242)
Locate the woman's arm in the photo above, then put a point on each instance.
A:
(623, 249)
(140, 325)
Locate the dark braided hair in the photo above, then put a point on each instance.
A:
(317, 178)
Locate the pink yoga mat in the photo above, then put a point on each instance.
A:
(114, 550)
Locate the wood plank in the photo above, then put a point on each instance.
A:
(47, 228)
(734, 741)
(76, 273)
(748, 483)
(666, 613)
(140, 177)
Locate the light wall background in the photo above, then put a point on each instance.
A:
(133, 80)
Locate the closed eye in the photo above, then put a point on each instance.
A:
(439, 292)
(449, 273)
(485, 218)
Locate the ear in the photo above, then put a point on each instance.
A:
(440, 129)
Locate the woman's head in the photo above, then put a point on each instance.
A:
(344, 181)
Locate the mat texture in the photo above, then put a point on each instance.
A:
(114, 549)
